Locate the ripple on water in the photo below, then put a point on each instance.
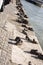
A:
(35, 14)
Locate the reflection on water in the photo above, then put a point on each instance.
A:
(35, 14)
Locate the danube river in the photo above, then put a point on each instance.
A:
(35, 15)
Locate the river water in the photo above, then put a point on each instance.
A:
(35, 15)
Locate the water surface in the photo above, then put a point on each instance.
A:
(35, 15)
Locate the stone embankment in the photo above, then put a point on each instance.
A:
(18, 43)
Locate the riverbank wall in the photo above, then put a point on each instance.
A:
(18, 43)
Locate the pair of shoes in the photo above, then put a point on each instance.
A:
(15, 41)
